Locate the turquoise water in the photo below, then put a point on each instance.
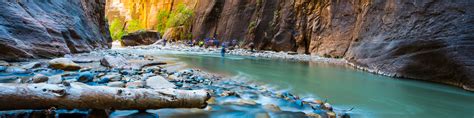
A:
(371, 95)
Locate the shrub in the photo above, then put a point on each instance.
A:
(116, 29)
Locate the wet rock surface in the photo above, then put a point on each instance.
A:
(39, 29)
(229, 97)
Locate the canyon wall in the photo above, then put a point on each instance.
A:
(48, 28)
(144, 11)
(429, 40)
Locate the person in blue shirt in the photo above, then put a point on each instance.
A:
(223, 49)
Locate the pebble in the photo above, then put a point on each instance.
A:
(38, 78)
(64, 64)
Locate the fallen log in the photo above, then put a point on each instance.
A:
(82, 96)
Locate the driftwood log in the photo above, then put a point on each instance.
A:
(82, 96)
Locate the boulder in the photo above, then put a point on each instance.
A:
(113, 61)
(38, 29)
(158, 82)
(142, 37)
(64, 64)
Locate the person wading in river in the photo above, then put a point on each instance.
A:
(251, 45)
(223, 49)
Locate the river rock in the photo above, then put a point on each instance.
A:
(4, 63)
(158, 82)
(3, 68)
(64, 64)
(116, 84)
(271, 107)
(85, 77)
(38, 78)
(32, 65)
(245, 102)
(331, 114)
(16, 70)
(113, 61)
(327, 106)
(135, 84)
(55, 79)
(112, 77)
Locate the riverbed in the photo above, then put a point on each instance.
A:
(369, 94)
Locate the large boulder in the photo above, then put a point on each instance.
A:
(142, 37)
(39, 28)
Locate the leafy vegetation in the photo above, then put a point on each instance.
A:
(179, 17)
(116, 29)
(134, 25)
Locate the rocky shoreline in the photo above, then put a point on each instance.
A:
(120, 69)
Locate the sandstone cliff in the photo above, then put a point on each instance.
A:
(45, 28)
(430, 40)
(421, 39)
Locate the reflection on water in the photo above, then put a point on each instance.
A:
(371, 95)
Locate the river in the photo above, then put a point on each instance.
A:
(371, 95)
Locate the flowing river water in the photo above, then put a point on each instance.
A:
(371, 95)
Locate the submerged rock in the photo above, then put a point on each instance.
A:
(271, 107)
(85, 77)
(16, 70)
(158, 82)
(64, 64)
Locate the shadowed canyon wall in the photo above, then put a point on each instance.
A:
(430, 40)
(47, 28)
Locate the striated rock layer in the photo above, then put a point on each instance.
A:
(45, 28)
(429, 40)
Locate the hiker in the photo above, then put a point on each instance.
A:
(164, 42)
(216, 42)
(223, 49)
(251, 45)
(201, 43)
